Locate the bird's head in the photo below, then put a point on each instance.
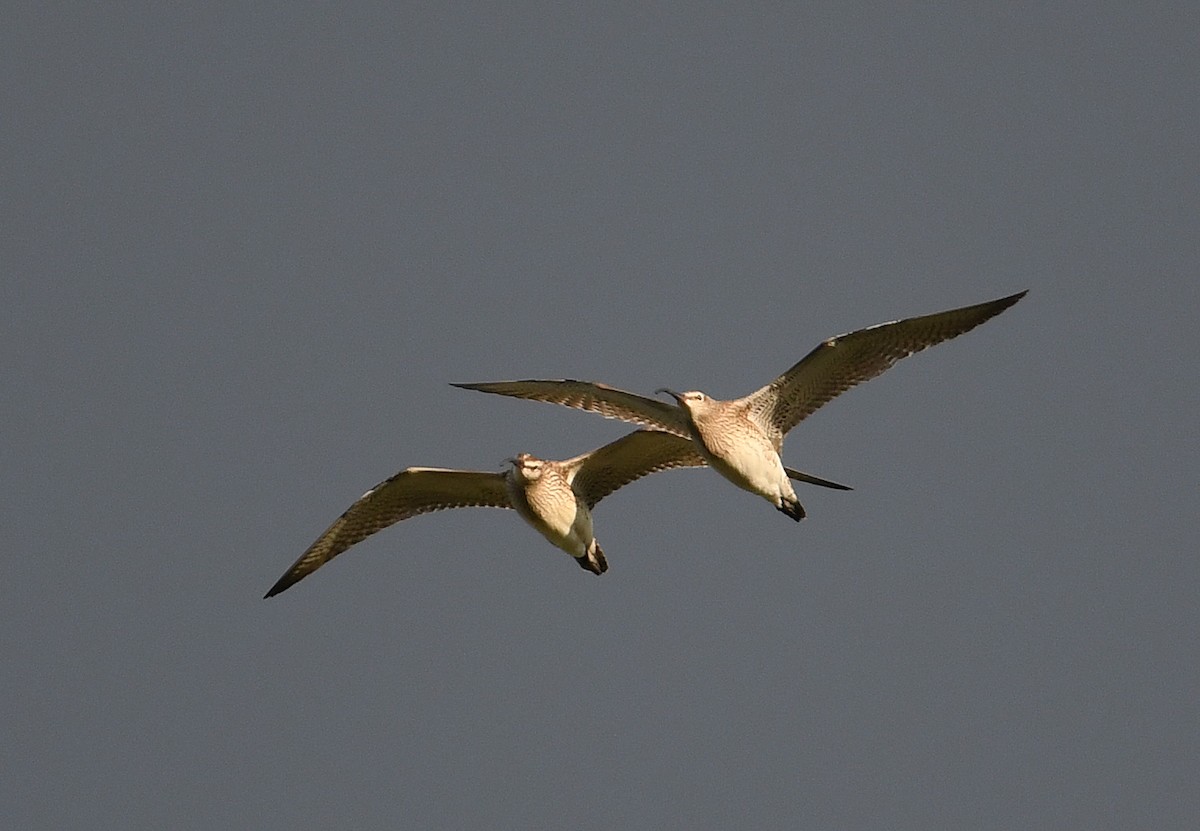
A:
(690, 401)
(526, 466)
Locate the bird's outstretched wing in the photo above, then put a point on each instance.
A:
(609, 402)
(596, 474)
(841, 362)
(808, 478)
(416, 490)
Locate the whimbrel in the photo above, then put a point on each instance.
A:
(554, 497)
(742, 438)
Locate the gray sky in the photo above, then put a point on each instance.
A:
(245, 251)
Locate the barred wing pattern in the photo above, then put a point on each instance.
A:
(846, 360)
(597, 474)
(609, 402)
(413, 491)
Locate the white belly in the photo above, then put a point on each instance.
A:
(556, 514)
(752, 464)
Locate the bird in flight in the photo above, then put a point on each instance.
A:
(555, 497)
(742, 438)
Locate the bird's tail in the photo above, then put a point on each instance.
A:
(594, 560)
(793, 509)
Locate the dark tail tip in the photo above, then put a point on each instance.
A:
(793, 509)
(593, 561)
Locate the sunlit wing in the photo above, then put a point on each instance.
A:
(841, 362)
(629, 458)
(595, 398)
(416, 490)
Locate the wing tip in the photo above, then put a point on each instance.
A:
(290, 578)
(281, 585)
(1005, 302)
(986, 311)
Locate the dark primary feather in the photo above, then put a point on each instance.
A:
(801, 476)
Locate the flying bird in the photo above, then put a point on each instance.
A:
(555, 497)
(742, 438)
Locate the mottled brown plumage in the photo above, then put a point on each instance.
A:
(742, 438)
(555, 497)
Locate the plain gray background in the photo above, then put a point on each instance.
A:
(246, 246)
